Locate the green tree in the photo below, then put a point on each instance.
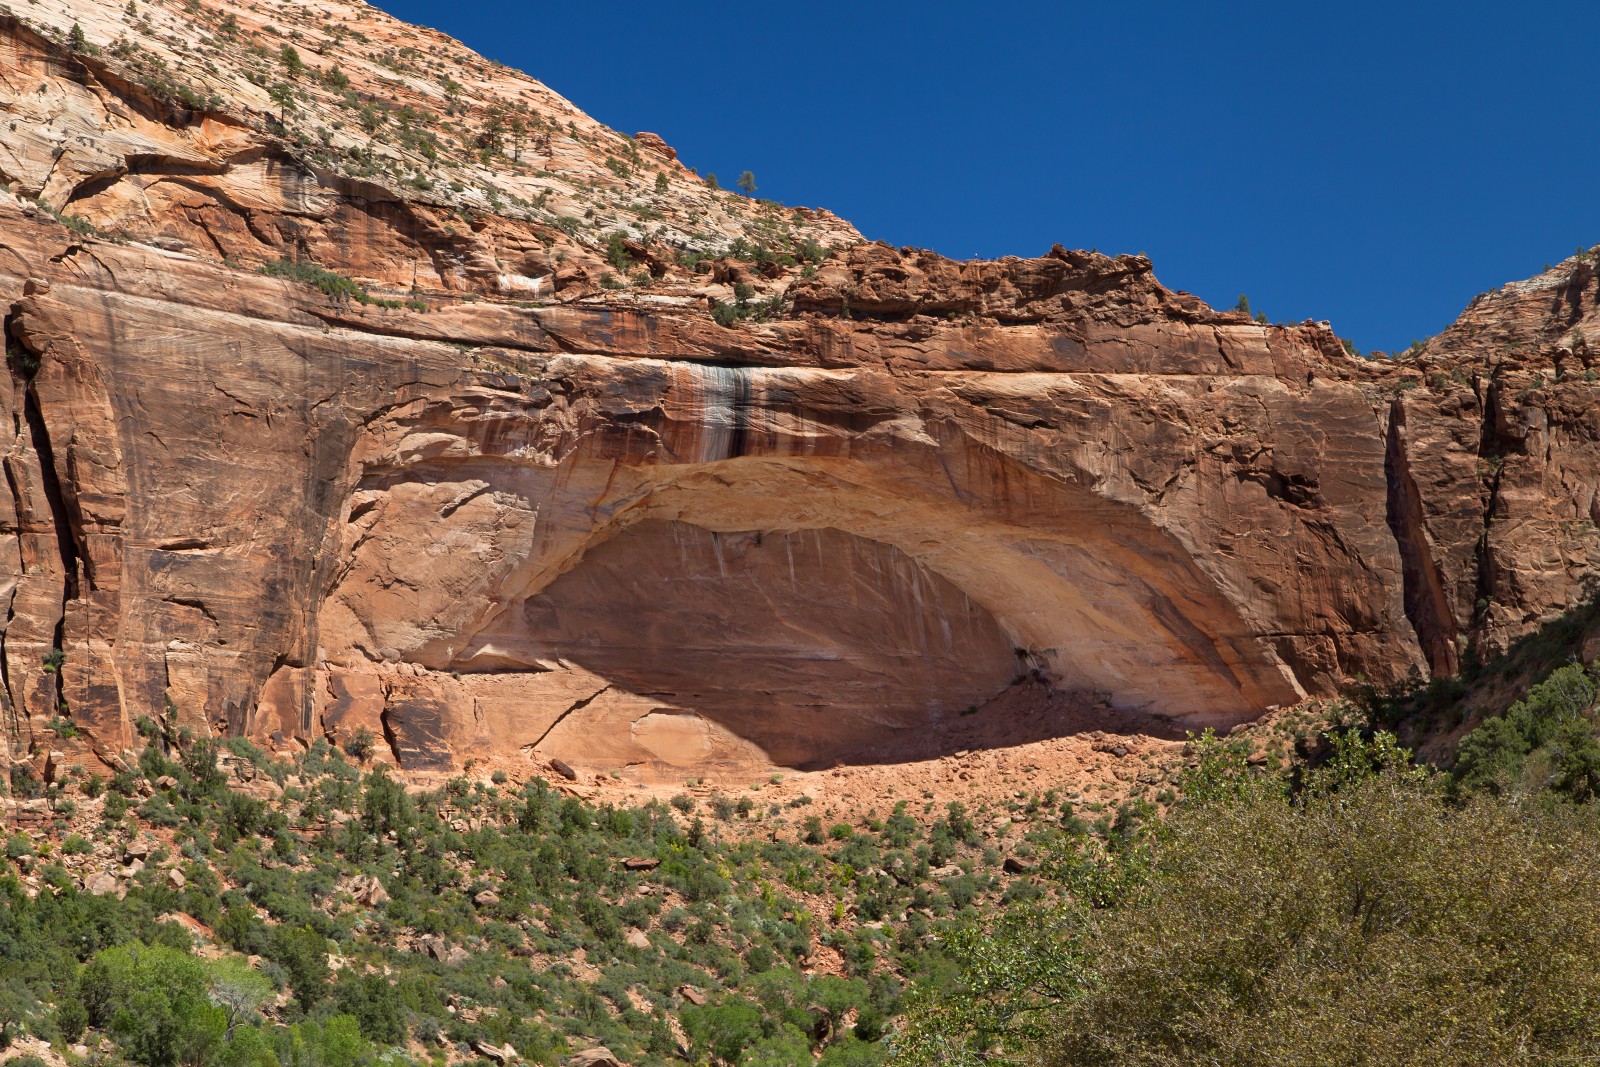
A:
(282, 94)
(786, 1048)
(75, 39)
(334, 1043)
(374, 1002)
(155, 1002)
(248, 1047)
(1545, 741)
(292, 64)
(747, 183)
(1490, 758)
(617, 251)
(723, 1031)
(853, 1053)
(361, 744)
(303, 953)
(239, 990)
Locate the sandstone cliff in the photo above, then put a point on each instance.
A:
(732, 512)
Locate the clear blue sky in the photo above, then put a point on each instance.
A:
(1375, 164)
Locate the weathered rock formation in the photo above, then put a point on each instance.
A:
(616, 530)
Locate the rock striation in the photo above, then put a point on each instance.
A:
(733, 513)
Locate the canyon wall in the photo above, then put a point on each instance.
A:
(740, 511)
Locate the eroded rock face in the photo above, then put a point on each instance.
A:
(602, 546)
(616, 532)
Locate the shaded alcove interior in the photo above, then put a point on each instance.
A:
(816, 646)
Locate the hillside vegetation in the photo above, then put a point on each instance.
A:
(1348, 907)
(1351, 907)
(312, 912)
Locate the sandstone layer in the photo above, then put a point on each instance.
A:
(734, 513)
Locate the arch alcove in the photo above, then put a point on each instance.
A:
(813, 645)
(712, 564)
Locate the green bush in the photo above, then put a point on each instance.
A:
(335, 286)
(1546, 741)
(722, 1032)
(303, 954)
(1361, 918)
(72, 1018)
(331, 284)
(155, 1003)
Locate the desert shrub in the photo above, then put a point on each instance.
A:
(1545, 741)
(333, 285)
(360, 744)
(1362, 911)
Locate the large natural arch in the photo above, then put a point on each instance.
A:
(1050, 575)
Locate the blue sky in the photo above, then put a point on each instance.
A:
(1375, 164)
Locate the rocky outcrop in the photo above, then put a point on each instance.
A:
(1496, 442)
(338, 136)
(739, 516)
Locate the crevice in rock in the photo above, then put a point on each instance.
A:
(577, 706)
(6, 692)
(1426, 606)
(190, 602)
(60, 513)
(389, 737)
(1492, 449)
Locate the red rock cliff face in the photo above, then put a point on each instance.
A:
(612, 528)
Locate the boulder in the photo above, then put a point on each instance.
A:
(594, 1057)
(501, 1054)
(102, 884)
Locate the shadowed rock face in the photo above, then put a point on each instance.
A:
(809, 644)
(616, 532)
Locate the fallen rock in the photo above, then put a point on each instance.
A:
(501, 1054)
(443, 951)
(594, 1057)
(370, 891)
(638, 939)
(563, 768)
(102, 884)
(640, 863)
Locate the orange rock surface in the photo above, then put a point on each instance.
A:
(487, 506)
